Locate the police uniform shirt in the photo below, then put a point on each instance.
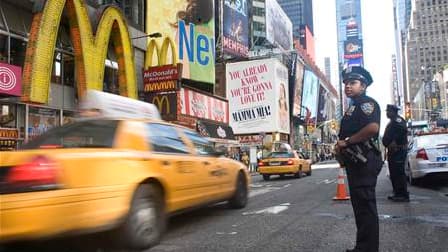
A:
(396, 131)
(363, 111)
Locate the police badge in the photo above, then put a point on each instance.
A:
(350, 110)
(368, 108)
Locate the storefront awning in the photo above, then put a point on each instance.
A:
(215, 130)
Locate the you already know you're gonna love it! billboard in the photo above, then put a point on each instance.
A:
(191, 24)
(257, 94)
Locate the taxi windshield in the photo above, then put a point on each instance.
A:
(84, 134)
(281, 155)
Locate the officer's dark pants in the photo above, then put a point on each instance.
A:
(396, 163)
(362, 181)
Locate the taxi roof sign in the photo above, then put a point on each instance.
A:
(102, 104)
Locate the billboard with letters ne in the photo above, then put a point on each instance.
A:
(258, 96)
(191, 25)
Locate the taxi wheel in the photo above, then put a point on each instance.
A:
(146, 221)
(308, 173)
(266, 177)
(299, 173)
(239, 199)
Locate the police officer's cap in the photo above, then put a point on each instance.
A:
(392, 107)
(357, 73)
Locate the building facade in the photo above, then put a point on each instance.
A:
(427, 43)
(402, 14)
(349, 25)
(41, 106)
(300, 12)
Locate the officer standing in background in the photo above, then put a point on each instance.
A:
(361, 124)
(396, 142)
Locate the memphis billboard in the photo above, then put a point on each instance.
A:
(235, 39)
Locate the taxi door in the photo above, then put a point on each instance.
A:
(178, 166)
(216, 173)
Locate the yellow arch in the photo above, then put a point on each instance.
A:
(161, 52)
(90, 50)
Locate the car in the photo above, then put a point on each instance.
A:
(427, 155)
(125, 175)
(284, 163)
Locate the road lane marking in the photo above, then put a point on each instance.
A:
(327, 181)
(324, 166)
(270, 210)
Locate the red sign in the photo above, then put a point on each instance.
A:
(10, 79)
(203, 106)
(161, 73)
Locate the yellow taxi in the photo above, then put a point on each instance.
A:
(283, 163)
(125, 175)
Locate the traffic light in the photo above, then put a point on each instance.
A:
(333, 124)
(407, 111)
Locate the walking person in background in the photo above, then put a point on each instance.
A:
(245, 159)
(360, 126)
(395, 139)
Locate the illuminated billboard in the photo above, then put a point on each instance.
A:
(235, 40)
(353, 48)
(191, 25)
(310, 96)
(278, 26)
(297, 91)
(258, 96)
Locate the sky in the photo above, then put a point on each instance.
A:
(378, 40)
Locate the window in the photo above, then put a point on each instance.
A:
(280, 155)
(202, 145)
(17, 52)
(134, 10)
(87, 134)
(164, 138)
(3, 48)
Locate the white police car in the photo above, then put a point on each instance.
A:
(428, 154)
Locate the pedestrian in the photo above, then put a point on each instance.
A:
(396, 142)
(245, 159)
(361, 124)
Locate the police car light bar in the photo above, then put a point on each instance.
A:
(101, 104)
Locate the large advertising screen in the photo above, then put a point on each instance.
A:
(310, 96)
(278, 26)
(353, 48)
(191, 24)
(298, 84)
(324, 107)
(257, 94)
(235, 39)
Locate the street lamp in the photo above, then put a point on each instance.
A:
(152, 35)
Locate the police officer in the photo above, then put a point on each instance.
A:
(395, 140)
(361, 123)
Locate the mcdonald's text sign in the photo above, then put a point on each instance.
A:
(161, 78)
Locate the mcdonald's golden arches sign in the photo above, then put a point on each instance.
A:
(166, 103)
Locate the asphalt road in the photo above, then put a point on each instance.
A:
(289, 214)
(299, 215)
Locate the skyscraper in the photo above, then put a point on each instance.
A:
(402, 14)
(300, 12)
(348, 15)
(427, 43)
